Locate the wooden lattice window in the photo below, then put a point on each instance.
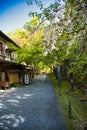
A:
(1, 49)
(0, 76)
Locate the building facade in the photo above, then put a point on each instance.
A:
(10, 72)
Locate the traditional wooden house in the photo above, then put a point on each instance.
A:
(10, 71)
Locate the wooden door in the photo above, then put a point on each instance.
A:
(13, 77)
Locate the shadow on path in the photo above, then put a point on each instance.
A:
(33, 107)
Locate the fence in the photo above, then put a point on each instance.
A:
(71, 109)
(69, 105)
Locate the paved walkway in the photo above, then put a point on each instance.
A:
(34, 107)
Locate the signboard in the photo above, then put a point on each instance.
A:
(26, 79)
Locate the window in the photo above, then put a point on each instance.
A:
(3, 76)
(0, 76)
(8, 57)
(1, 48)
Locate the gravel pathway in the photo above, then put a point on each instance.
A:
(33, 107)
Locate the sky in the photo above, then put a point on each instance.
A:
(14, 13)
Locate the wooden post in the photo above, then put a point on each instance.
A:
(69, 110)
(59, 77)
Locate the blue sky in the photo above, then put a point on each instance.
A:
(14, 13)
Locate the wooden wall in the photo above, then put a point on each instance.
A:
(13, 77)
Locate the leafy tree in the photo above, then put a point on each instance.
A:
(31, 49)
(32, 24)
(76, 12)
(57, 35)
(43, 68)
(71, 42)
(19, 36)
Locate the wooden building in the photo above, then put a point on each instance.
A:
(10, 71)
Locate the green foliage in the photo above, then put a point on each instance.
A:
(46, 13)
(57, 35)
(78, 47)
(38, 3)
(12, 46)
(71, 41)
(43, 67)
(32, 24)
(19, 36)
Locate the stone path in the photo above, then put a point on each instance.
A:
(33, 107)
